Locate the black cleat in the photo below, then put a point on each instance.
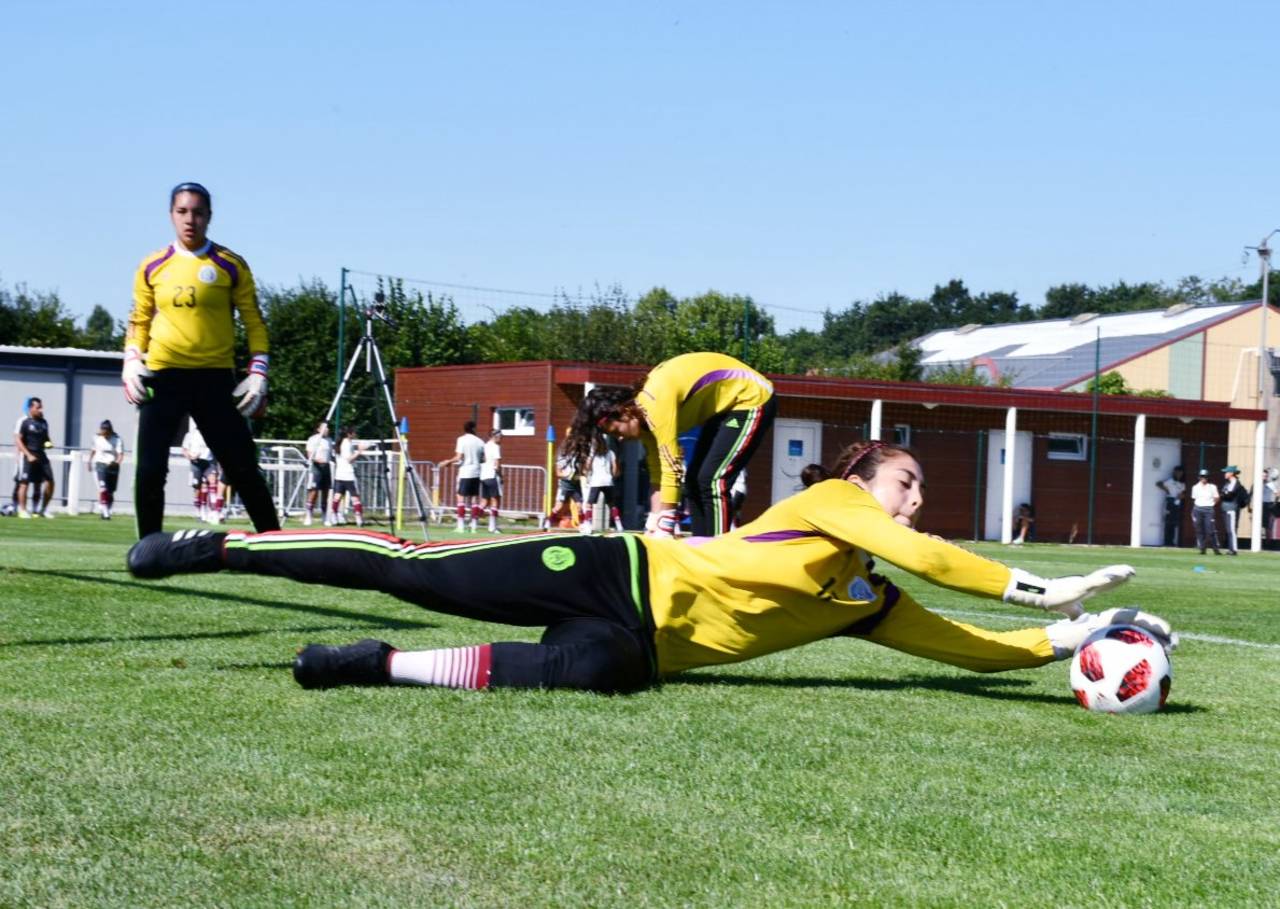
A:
(158, 555)
(365, 662)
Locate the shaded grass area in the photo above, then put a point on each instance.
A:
(156, 751)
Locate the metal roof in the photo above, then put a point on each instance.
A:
(1058, 353)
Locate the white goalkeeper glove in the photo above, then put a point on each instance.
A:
(135, 370)
(665, 523)
(1067, 635)
(1063, 594)
(252, 392)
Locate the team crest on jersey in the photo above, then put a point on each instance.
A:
(558, 558)
(859, 589)
(207, 274)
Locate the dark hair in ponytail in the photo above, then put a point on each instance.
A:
(585, 433)
(814, 473)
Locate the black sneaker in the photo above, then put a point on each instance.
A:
(325, 666)
(158, 555)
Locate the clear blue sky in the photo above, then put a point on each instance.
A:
(808, 154)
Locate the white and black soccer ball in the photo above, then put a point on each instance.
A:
(1121, 669)
(8, 511)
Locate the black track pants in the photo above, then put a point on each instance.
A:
(590, 592)
(725, 445)
(205, 394)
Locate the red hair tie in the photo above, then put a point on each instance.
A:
(873, 446)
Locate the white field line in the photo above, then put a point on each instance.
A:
(1182, 635)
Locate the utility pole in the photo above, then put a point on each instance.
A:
(1266, 430)
(1264, 261)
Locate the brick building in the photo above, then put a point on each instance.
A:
(1058, 454)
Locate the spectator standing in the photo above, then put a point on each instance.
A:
(468, 454)
(319, 472)
(491, 478)
(602, 474)
(108, 455)
(1270, 486)
(1234, 499)
(1175, 505)
(1204, 496)
(34, 470)
(204, 472)
(344, 479)
(568, 491)
(179, 359)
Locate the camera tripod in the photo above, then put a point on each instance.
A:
(368, 345)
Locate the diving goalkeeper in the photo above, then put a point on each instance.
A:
(622, 613)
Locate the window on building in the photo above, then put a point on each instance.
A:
(902, 435)
(514, 421)
(1068, 446)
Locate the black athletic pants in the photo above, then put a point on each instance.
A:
(592, 593)
(725, 445)
(205, 394)
(1206, 527)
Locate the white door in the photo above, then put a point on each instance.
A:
(796, 445)
(1162, 455)
(995, 478)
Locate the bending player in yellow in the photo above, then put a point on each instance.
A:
(730, 403)
(624, 612)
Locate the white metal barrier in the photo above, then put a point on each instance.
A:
(523, 489)
(284, 464)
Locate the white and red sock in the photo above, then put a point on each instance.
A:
(451, 667)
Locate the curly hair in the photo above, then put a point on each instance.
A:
(863, 459)
(585, 433)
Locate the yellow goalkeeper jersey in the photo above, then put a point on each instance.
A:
(684, 392)
(800, 573)
(184, 307)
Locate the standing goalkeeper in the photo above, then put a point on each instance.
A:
(178, 360)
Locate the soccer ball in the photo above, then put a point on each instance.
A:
(1121, 669)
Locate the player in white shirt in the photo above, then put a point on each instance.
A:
(491, 478)
(204, 474)
(320, 471)
(1204, 496)
(602, 472)
(108, 455)
(1270, 488)
(344, 479)
(468, 454)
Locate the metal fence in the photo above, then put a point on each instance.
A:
(284, 464)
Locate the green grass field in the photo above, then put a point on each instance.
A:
(154, 751)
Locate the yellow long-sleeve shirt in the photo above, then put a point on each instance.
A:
(799, 574)
(684, 392)
(184, 307)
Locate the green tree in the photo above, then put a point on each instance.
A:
(35, 319)
(303, 325)
(101, 332)
(1109, 383)
(1066, 300)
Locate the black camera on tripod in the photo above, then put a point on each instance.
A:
(378, 310)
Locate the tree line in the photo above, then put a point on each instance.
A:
(864, 340)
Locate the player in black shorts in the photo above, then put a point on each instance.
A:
(32, 439)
